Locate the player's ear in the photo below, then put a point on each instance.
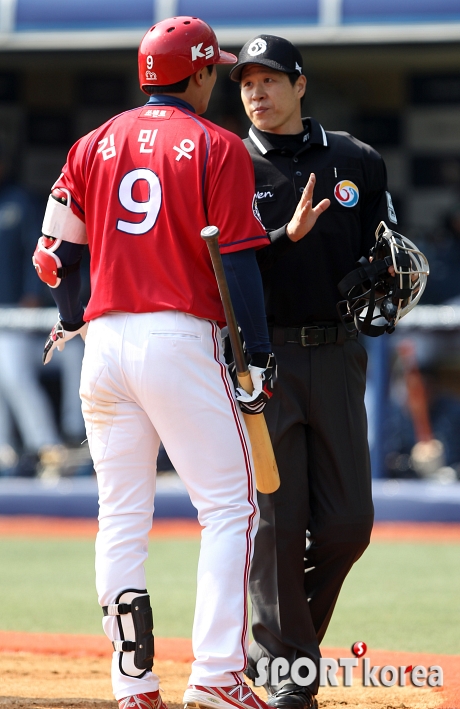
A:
(198, 77)
(301, 85)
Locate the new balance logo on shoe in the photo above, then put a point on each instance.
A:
(239, 696)
(241, 692)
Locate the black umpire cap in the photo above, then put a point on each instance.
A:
(267, 49)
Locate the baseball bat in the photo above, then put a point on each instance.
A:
(266, 470)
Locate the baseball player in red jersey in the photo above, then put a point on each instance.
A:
(138, 190)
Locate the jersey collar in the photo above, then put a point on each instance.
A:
(261, 139)
(163, 100)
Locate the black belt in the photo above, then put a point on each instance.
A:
(310, 335)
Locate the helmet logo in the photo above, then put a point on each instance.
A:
(150, 76)
(346, 193)
(257, 47)
(196, 51)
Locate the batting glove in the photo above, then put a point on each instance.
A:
(263, 371)
(60, 334)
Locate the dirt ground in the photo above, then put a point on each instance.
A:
(33, 681)
(61, 673)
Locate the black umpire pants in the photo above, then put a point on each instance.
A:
(318, 425)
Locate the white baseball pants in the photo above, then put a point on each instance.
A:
(152, 376)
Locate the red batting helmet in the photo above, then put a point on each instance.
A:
(176, 48)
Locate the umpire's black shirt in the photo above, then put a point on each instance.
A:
(300, 280)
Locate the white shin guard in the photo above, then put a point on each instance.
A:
(135, 623)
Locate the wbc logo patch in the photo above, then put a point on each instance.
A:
(346, 193)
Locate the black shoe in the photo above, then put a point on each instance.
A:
(292, 696)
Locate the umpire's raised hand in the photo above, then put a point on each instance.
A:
(305, 216)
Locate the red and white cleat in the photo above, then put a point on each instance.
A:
(239, 696)
(149, 700)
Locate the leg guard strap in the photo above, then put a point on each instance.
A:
(117, 609)
(123, 646)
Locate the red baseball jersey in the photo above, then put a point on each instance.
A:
(145, 184)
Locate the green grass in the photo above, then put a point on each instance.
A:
(401, 596)
(48, 586)
(397, 597)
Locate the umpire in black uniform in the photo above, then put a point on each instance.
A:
(316, 417)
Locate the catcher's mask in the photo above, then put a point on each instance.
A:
(375, 300)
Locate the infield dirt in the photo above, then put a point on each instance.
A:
(31, 681)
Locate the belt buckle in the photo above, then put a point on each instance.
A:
(304, 335)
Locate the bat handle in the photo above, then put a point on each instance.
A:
(211, 234)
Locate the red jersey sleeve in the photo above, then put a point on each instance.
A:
(72, 177)
(231, 204)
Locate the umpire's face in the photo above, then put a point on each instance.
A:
(270, 100)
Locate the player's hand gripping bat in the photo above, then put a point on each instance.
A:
(266, 470)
